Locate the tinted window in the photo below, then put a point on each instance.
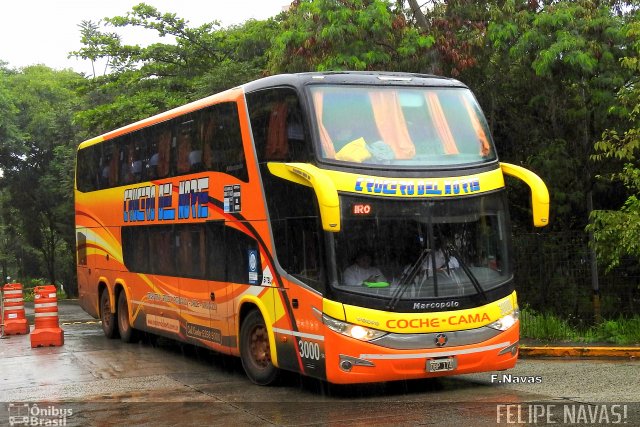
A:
(212, 251)
(238, 246)
(87, 169)
(278, 125)
(208, 139)
(81, 240)
(219, 128)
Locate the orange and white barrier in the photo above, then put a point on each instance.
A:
(46, 330)
(15, 321)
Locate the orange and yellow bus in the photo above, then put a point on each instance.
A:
(348, 226)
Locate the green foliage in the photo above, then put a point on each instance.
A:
(547, 78)
(38, 175)
(9, 131)
(617, 232)
(325, 35)
(145, 80)
(540, 326)
(621, 331)
(549, 327)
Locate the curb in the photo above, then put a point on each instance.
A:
(620, 352)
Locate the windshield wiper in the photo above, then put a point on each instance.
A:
(474, 280)
(407, 277)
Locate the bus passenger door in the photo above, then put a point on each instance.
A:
(216, 298)
(301, 258)
(199, 313)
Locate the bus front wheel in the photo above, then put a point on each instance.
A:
(108, 318)
(127, 333)
(255, 351)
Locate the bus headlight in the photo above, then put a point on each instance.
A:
(506, 322)
(358, 332)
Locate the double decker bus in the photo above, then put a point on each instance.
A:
(349, 226)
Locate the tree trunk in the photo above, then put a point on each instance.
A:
(417, 13)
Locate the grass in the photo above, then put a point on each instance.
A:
(548, 327)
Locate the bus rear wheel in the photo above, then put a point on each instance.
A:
(127, 333)
(255, 351)
(109, 322)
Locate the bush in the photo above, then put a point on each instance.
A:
(542, 326)
(548, 327)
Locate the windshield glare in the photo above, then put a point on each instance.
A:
(401, 126)
(398, 243)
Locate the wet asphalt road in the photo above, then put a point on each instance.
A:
(95, 381)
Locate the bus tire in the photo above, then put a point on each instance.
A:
(109, 321)
(255, 351)
(126, 331)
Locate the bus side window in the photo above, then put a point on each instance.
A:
(222, 138)
(88, 169)
(135, 249)
(186, 145)
(162, 244)
(238, 245)
(191, 251)
(158, 155)
(277, 147)
(215, 251)
(135, 153)
(125, 159)
(296, 136)
(111, 164)
(278, 125)
(206, 128)
(81, 242)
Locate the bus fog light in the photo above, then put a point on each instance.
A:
(345, 365)
(506, 322)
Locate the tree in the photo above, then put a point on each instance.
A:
(145, 80)
(617, 232)
(38, 175)
(552, 78)
(324, 35)
(9, 132)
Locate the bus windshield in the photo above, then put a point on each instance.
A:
(434, 249)
(400, 126)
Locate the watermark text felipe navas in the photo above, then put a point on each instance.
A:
(33, 414)
(562, 413)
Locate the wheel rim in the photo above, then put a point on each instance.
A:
(259, 348)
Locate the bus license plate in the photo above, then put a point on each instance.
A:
(441, 365)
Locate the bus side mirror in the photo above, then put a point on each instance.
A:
(539, 192)
(323, 186)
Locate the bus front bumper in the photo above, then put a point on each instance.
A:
(367, 362)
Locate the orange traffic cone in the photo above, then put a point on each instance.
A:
(15, 322)
(47, 331)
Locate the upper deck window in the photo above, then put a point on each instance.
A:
(402, 126)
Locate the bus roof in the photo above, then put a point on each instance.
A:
(297, 80)
(352, 77)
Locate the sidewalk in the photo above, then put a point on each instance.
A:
(532, 348)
